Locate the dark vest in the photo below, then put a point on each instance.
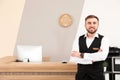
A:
(93, 47)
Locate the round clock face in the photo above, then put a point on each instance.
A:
(65, 20)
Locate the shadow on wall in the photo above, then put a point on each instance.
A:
(39, 26)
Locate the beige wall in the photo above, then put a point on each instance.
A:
(10, 16)
(35, 22)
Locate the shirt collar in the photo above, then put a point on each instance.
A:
(96, 35)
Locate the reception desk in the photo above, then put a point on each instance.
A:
(37, 71)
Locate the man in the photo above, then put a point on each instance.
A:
(93, 50)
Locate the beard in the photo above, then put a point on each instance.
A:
(91, 31)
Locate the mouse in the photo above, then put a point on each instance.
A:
(64, 62)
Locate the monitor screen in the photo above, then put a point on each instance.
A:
(28, 53)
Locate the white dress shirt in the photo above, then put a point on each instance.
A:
(88, 57)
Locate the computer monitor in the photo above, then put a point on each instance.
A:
(29, 52)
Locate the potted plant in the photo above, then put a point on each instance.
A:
(105, 64)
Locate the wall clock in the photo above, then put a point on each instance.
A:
(65, 20)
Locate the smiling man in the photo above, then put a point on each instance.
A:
(92, 50)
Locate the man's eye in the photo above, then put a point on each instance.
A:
(89, 22)
(94, 22)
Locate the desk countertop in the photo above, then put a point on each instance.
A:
(12, 66)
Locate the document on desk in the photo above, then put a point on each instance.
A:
(79, 60)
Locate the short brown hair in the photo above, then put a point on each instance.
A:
(91, 16)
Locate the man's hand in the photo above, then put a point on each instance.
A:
(100, 50)
(76, 54)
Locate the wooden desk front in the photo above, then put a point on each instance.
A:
(37, 71)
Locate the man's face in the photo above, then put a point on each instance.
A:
(91, 25)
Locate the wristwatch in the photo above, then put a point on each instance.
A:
(82, 55)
